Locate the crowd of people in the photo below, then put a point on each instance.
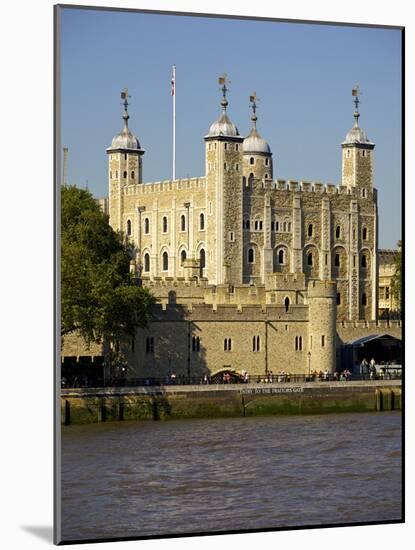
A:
(367, 370)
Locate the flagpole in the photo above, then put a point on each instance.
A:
(173, 91)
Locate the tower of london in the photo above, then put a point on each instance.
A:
(252, 274)
(289, 258)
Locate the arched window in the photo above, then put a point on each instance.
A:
(310, 229)
(277, 226)
(364, 261)
(364, 299)
(182, 256)
(124, 175)
(272, 226)
(172, 297)
(125, 156)
(364, 234)
(339, 301)
(132, 174)
(289, 227)
(247, 224)
(337, 260)
(251, 255)
(252, 160)
(195, 343)
(201, 221)
(284, 227)
(251, 175)
(227, 344)
(281, 256)
(164, 224)
(183, 222)
(202, 258)
(165, 261)
(310, 259)
(287, 303)
(338, 232)
(128, 227)
(266, 161)
(147, 262)
(266, 176)
(146, 226)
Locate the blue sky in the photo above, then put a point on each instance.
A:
(303, 75)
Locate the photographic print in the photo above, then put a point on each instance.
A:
(229, 356)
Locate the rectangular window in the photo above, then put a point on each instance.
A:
(326, 259)
(387, 292)
(322, 340)
(150, 344)
(231, 236)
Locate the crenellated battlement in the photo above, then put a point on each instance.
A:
(285, 281)
(380, 324)
(322, 289)
(165, 186)
(311, 187)
(230, 312)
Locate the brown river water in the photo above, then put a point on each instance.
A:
(134, 479)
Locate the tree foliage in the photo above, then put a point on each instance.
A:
(396, 284)
(98, 296)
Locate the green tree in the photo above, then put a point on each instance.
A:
(396, 283)
(99, 298)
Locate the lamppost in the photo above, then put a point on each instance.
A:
(309, 364)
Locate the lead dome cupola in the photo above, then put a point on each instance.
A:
(254, 143)
(125, 139)
(223, 126)
(356, 135)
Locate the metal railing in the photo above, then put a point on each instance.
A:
(266, 378)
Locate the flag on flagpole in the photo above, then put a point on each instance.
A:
(173, 80)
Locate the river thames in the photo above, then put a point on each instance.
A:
(126, 479)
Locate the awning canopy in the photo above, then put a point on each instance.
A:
(358, 342)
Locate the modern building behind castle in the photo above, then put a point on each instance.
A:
(251, 272)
